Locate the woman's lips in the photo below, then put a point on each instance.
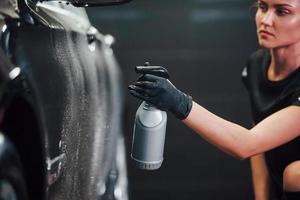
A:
(266, 33)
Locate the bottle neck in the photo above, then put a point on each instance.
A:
(149, 106)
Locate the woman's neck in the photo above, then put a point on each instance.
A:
(284, 61)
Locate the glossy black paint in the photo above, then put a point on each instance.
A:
(86, 3)
(5, 67)
(63, 112)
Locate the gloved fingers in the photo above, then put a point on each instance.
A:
(143, 91)
(154, 70)
(149, 78)
(146, 84)
(138, 95)
(141, 78)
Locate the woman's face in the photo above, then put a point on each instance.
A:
(278, 22)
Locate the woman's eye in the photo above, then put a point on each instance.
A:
(282, 12)
(261, 6)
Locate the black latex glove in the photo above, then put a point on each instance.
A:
(154, 70)
(160, 92)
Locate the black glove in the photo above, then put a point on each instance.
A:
(154, 70)
(160, 92)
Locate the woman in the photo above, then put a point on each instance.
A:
(272, 77)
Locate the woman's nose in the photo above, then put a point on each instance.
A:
(267, 18)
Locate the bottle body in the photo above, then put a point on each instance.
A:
(149, 137)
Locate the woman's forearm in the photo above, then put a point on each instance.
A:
(226, 135)
(275, 130)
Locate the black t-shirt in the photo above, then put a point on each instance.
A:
(267, 97)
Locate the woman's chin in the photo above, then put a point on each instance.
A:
(264, 44)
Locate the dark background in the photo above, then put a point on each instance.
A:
(204, 44)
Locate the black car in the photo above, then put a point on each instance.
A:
(60, 104)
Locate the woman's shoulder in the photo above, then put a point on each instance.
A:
(253, 71)
(257, 61)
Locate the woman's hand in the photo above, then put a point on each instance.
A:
(154, 70)
(154, 87)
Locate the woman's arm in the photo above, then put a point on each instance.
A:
(274, 131)
(260, 177)
(240, 142)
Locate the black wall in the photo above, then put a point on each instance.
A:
(204, 44)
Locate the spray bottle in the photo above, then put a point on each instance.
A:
(149, 137)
